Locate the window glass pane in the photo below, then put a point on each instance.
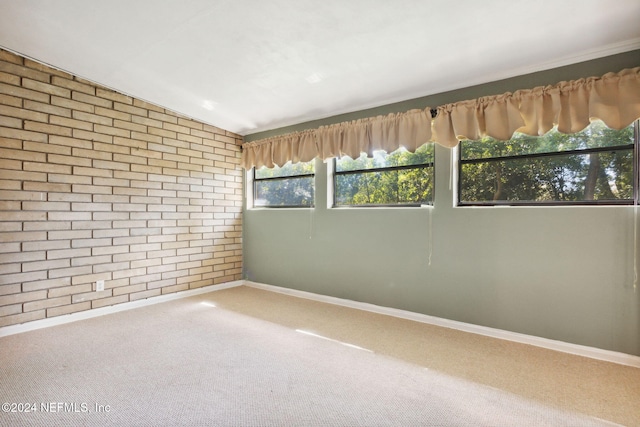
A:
(595, 135)
(284, 192)
(289, 169)
(380, 159)
(407, 186)
(606, 175)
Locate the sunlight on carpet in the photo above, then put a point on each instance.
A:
(199, 361)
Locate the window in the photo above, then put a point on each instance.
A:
(595, 166)
(291, 185)
(397, 179)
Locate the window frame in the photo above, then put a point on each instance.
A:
(254, 187)
(335, 173)
(635, 147)
(636, 163)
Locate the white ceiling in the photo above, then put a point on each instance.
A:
(253, 65)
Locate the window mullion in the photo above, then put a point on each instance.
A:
(636, 163)
(549, 154)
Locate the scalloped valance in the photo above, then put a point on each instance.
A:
(613, 98)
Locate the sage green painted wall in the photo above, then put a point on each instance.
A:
(564, 273)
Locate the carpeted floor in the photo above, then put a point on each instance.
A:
(248, 357)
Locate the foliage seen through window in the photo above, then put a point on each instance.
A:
(591, 166)
(291, 185)
(399, 178)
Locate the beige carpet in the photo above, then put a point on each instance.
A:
(247, 357)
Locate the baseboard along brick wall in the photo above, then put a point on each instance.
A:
(99, 186)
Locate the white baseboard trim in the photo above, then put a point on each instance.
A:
(576, 349)
(88, 314)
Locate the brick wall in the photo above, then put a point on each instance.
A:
(96, 185)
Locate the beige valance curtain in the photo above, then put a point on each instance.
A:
(410, 129)
(278, 150)
(613, 98)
